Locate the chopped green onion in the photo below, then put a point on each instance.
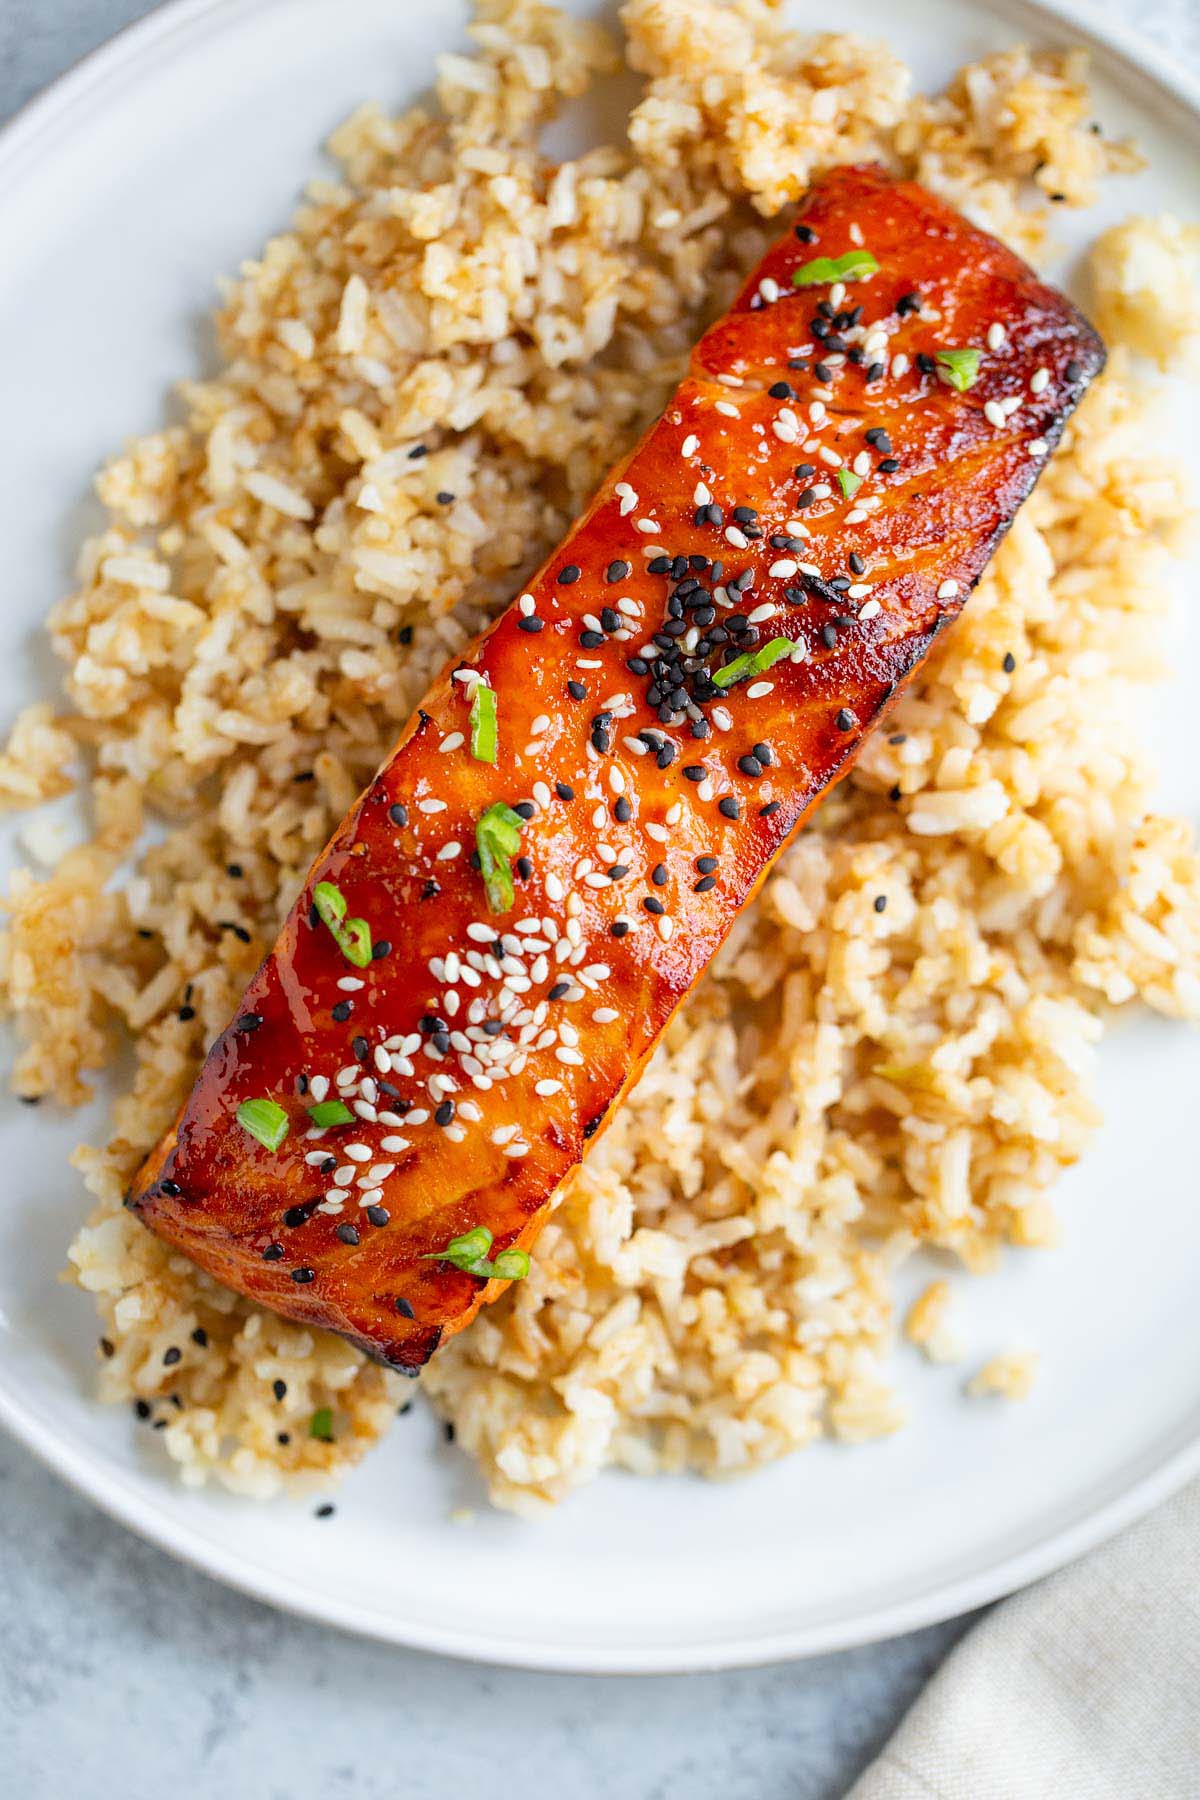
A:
(753, 662)
(498, 838)
(470, 1254)
(484, 736)
(822, 269)
(264, 1120)
(321, 1424)
(849, 482)
(352, 936)
(959, 367)
(331, 1112)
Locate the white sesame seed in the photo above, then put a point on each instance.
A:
(690, 445)
(350, 984)
(315, 1157)
(996, 335)
(629, 607)
(646, 525)
(830, 458)
(735, 537)
(658, 832)
(727, 407)
(455, 1133)
(516, 1150)
(431, 806)
(554, 887)
(348, 1076)
(870, 610)
(526, 605)
(318, 1087)
(784, 567)
(993, 412)
(418, 1116)
(616, 780)
(900, 364)
(757, 689)
(547, 1087)
(453, 740)
(700, 494)
(769, 289)
(566, 1055)
(862, 463)
(449, 851)
(856, 236)
(816, 412)
(605, 1015)
(722, 718)
(1038, 447)
(541, 794)
(948, 590)
(393, 1143)
(344, 1176)
(705, 789)
(666, 926)
(856, 515)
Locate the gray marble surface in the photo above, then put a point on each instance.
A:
(122, 1672)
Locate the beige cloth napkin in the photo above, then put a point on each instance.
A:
(1086, 1687)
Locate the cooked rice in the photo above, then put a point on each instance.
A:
(278, 581)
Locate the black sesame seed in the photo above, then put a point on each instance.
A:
(881, 903)
(444, 497)
(706, 864)
(610, 619)
(524, 809)
(623, 811)
(822, 371)
(659, 875)
(652, 904)
(764, 753)
(378, 1215)
(894, 793)
(170, 1187)
(342, 1011)
(404, 1307)
(889, 465)
(729, 807)
(398, 813)
(381, 949)
(325, 1510)
(1073, 370)
(142, 1408)
(186, 1013)
(618, 872)
(659, 565)
(617, 571)
(829, 636)
(559, 990)
(303, 1276)
(569, 573)
(781, 390)
(694, 771)
(524, 867)
(563, 791)
(591, 640)
(296, 1215)
(704, 885)
(772, 806)
(577, 690)
(279, 1389)
(172, 1356)
(417, 452)
(360, 1048)
(618, 928)
(879, 439)
(750, 765)
(272, 1253)
(925, 363)
(530, 623)
(806, 234)
(444, 1113)
(845, 720)
(805, 499)
(908, 303)
(1010, 663)
(876, 371)
(802, 471)
(855, 563)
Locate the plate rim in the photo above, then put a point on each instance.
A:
(112, 61)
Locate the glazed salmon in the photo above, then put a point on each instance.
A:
(485, 954)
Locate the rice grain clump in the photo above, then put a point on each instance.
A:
(420, 383)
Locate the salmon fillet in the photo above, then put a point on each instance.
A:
(485, 954)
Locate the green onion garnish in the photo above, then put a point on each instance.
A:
(753, 662)
(498, 838)
(331, 1112)
(959, 367)
(484, 736)
(470, 1254)
(851, 267)
(264, 1120)
(849, 482)
(321, 1424)
(352, 936)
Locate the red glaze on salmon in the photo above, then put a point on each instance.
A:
(850, 481)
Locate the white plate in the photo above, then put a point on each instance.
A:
(162, 160)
